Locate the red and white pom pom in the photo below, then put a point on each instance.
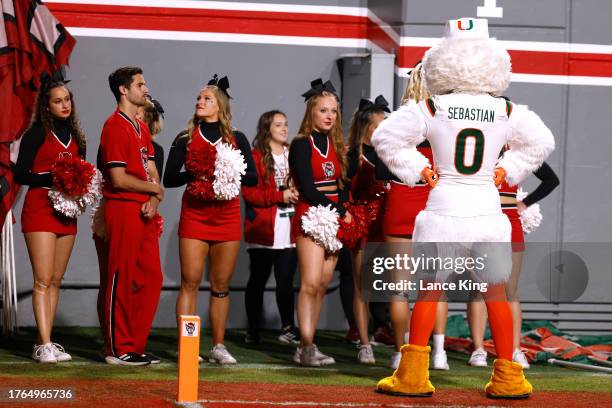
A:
(76, 185)
(531, 217)
(321, 224)
(229, 169)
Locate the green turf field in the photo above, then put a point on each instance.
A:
(269, 362)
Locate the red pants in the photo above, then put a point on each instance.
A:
(134, 277)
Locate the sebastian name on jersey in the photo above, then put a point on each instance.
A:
(473, 114)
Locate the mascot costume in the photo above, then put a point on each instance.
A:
(467, 123)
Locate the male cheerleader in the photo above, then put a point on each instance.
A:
(132, 194)
(467, 125)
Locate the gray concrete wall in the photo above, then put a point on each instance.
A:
(267, 77)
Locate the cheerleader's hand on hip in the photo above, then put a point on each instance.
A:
(499, 176)
(430, 176)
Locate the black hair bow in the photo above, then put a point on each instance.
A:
(158, 108)
(317, 87)
(56, 79)
(379, 104)
(221, 83)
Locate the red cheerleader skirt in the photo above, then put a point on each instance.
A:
(402, 205)
(301, 207)
(210, 220)
(518, 238)
(375, 232)
(38, 215)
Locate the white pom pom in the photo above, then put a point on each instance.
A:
(531, 217)
(65, 204)
(229, 169)
(321, 224)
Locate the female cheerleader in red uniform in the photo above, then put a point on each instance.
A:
(267, 226)
(402, 205)
(209, 229)
(512, 207)
(317, 167)
(364, 189)
(49, 235)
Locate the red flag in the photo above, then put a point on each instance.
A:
(32, 41)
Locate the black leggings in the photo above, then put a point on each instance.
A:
(261, 262)
(347, 289)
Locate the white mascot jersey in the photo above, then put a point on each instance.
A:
(466, 134)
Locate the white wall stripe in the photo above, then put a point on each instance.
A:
(218, 37)
(224, 5)
(344, 11)
(562, 79)
(521, 45)
(542, 79)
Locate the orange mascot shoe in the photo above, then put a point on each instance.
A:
(508, 381)
(411, 379)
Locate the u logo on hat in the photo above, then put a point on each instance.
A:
(460, 25)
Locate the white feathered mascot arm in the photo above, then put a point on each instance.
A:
(530, 144)
(396, 139)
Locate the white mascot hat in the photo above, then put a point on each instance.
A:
(467, 28)
(467, 60)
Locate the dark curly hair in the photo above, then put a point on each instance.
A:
(42, 114)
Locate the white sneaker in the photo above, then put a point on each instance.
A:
(220, 355)
(478, 358)
(43, 353)
(323, 359)
(395, 359)
(366, 354)
(59, 353)
(439, 360)
(519, 357)
(308, 356)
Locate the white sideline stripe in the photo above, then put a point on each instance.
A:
(542, 79)
(318, 403)
(224, 5)
(218, 37)
(521, 45)
(205, 366)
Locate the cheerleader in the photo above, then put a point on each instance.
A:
(152, 114)
(512, 207)
(402, 205)
(318, 166)
(364, 189)
(208, 228)
(267, 227)
(54, 133)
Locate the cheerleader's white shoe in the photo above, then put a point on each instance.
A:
(59, 353)
(439, 361)
(43, 353)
